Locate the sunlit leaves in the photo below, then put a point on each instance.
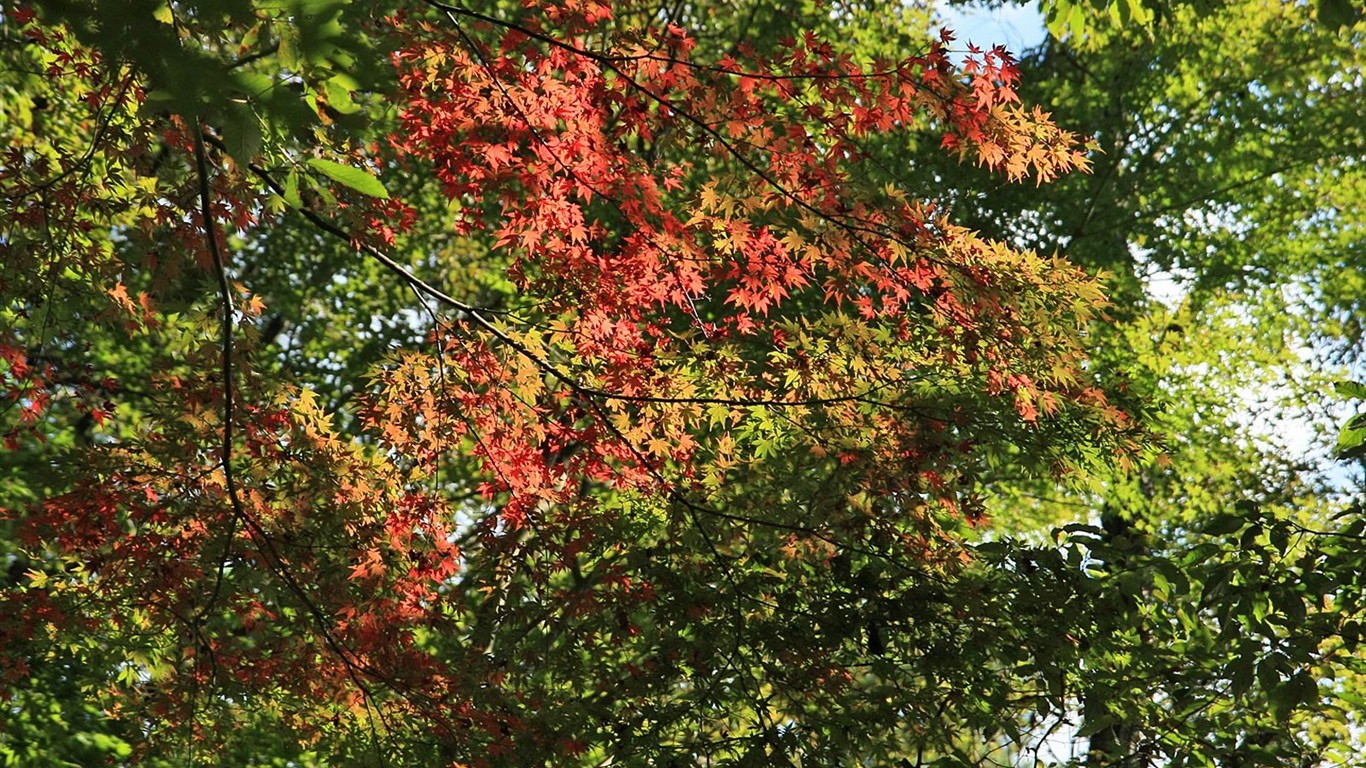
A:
(1352, 439)
(355, 178)
(702, 464)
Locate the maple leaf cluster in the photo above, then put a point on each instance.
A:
(693, 274)
(729, 357)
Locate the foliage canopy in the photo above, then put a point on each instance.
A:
(578, 383)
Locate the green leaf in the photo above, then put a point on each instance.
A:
(1225, 524)
(1351, 390)
(291, 193)
(1138, 13)
(1298, 691)
(253, 85)
(355, 178)
(1336, 14)
(1240, 672)
(1076, 22)
(288, 51)
(1057, 19)
(338, 94)
(1352, 440)
(242, 133)
(1116, 13)
(1095, 725)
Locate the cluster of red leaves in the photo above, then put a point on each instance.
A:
(656, 206)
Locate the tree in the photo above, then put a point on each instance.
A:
(1228, 165)
(564, 382)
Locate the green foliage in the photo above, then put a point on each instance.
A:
(1194, 601)
(355, 178)
(1352, 440)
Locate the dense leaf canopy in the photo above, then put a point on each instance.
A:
(580, 383)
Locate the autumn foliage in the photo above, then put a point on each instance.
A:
(634, 510)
